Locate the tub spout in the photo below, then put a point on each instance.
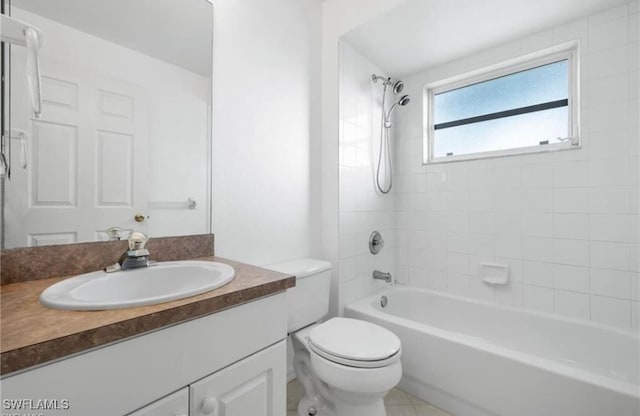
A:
(377, 274)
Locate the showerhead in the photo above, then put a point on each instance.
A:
(375, 78)
(404, 100)
(398, 87)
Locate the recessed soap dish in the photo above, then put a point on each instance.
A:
(494, 273)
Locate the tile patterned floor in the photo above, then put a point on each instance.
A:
(397, 402)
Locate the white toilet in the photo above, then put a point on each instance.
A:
(345, 365)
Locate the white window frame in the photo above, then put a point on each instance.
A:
(568, 51)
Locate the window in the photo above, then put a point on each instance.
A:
(519, 107)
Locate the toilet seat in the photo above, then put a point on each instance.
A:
(354, 343)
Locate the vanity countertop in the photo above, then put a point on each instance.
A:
(31, 334)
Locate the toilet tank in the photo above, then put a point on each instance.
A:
(308, 301)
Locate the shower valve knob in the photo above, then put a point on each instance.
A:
(376, 243)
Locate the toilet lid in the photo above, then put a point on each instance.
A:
(354, 342)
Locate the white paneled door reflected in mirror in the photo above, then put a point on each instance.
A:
(124, 135)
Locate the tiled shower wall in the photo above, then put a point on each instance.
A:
(361, 208)
(566, 223)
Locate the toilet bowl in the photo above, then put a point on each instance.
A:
(346, 366)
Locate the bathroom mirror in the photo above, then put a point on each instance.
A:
(124, 139)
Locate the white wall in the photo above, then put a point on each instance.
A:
(178, 116)
(265, 126)
(362, 208)
(338, 18)
(566, 222)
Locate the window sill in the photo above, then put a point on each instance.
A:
(503, 153)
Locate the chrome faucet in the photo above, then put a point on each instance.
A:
(377, 274)
(136, 256)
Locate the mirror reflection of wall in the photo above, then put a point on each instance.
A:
(126, 123)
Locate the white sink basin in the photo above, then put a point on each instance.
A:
(162, 282)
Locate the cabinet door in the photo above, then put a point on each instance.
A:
(255, 386)
(175, 404)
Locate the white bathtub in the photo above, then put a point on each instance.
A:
(475, 358)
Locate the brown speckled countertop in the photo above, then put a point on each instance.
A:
(31, 334)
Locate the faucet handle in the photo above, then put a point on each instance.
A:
(137, 240)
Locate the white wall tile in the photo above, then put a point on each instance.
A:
(458, 263)
(603, 117)
(480, 201)
(537, 200)
(507, 223)
(508, 201)
(537, 176)
(507, 246)
(634, 23)
(347, 269)
(634, 200)
(575, 305)
(402, 275)
(434, 279)
(609, 34)
(456, 179)
(635, 316)
(538, 298)
(611, 283)
(600, 62)
(634, 257)
(480, 178)
(458, 242)
(507, 177)
(610, 311)
(571, 200)
(538, 273)
(361, 209)
(537, 249)
(481, 291)
(572, 252)
(608, 15)
(609, 172)
(537, 225)
(609, 89)
(480, 244)
(634, 57)
(515, 268)
(561, 220)
(571, 175)
(571, 226)
(607, 227)
(635, 286)
(609, 144)
(609, 200)
(605, 255)
(572, 278)
(458, 284)
(511, 294)
(480, 222)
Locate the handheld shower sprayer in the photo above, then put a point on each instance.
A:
(404, 100)
(384, 185)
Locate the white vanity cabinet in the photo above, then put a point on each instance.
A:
(235, 357)
(253, 386)
(176, 404)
